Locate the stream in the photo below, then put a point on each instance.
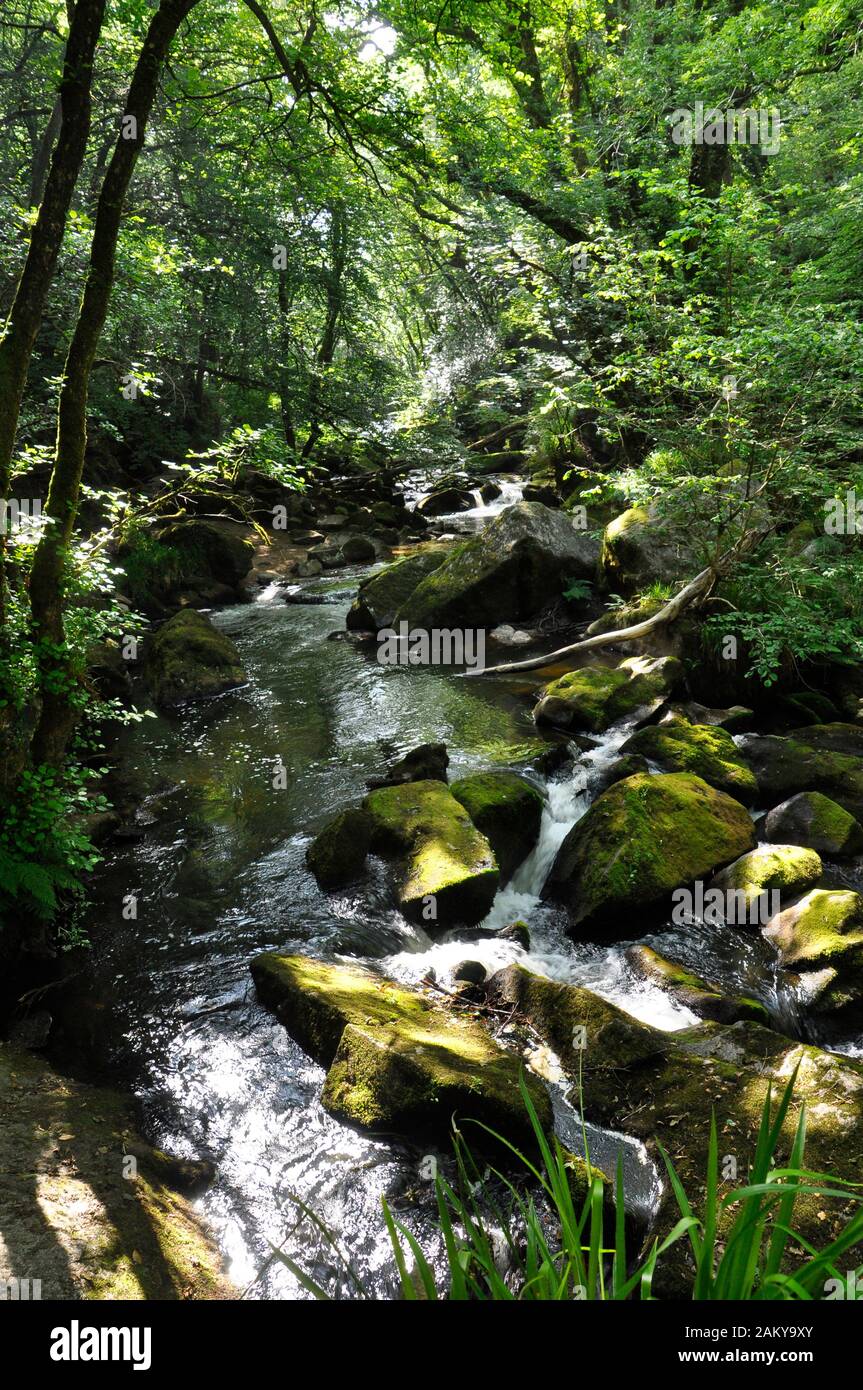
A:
(234, 790)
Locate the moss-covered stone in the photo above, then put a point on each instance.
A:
(706, 750)
(644, 837)
(382, 594)
(785, 869)
(666, 1087)
(640, 548)
(398, 1062)
(595, 697)
(821, 936)
(815, 821)
(443, 857)
(507, 810)
(187, 659)
(510, 570)
(785, 766)
(87, 1206)
(338, 854)
(703, 999)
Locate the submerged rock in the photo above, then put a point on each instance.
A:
(187, 659)
(510, 570)
(815, 821)
(703, 999)
(507, 810)
(595, 697)
(338, 854)
(707, 750)
(427, 762)
(398, 1062)
(641, 839)
(448, 872)
(383, 593)
(666, 1086)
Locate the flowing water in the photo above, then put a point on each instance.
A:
(235, 788)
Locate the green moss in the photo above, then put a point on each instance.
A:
(696, 994)
(187, 658)
(706, 750)
(642, 838)
(595, 697)
(784, 766)
(821, 929)
(443, 856)
(383, 593)
(817, 822)
(507, 810)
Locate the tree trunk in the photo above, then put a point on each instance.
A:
(46, 582)
(25, 316)
(330, 335)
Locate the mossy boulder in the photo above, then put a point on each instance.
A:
(187, 659)
(514, 567)
(446, 866)
(190, 561)
(640, 548)
(785, 766)
(707, 750)
(784, 869)
(444, 501)
(398, 1062)
(383, 593)
(815, 821)
(338, 854)
(833, 738)
(821, 937)
(88, 1207)
(705, 1000)
(507, 810)
(641, 839)
(595, 697)
(667, 1086)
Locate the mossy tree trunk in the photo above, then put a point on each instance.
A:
(46, 583)
(25, 316)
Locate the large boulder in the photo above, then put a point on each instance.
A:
(595, 697)
(640, 548)
(707, 750)
(444, 501)
(786, 870)
(704, 1000)
(447, 870)
(508, 811)
(187, 659)
(666, 1087)
(785, 766)
(511, 570)
(641, 839)
(383, 593)
(191, 561)
(815, 821)
(398, 1062)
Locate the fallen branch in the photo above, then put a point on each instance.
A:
(696, 588)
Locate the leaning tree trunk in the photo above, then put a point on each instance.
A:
(25, 316)
(46, 582)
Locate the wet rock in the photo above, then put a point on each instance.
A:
(816, 822)
(445, 865)
(509, 571)
(187, 659)
(621, 769)
(707, 750)
(821, 937)
(471, 971)
(428, 762)
(640, 548)
(338, 854)
(534, 492)
(641, 839)
(443, 502)
(735, 719)
(309, 569)
(785, 869)
(666, 1087)
(507, 810)
(519, 932)
(398, 1062)
(785, 766)
(595, 697)
(332, 521)
(692, 992)
(489, 492)
(383, 593)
